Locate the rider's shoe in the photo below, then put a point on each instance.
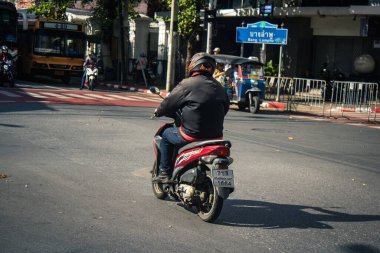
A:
(163, 177)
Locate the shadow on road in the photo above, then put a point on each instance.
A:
(22, 107)
(362, 248)
(250, 213)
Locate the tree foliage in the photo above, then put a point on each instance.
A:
(55, 9)
(188, 17)
(107, 11)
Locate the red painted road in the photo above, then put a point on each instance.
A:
(78, 97)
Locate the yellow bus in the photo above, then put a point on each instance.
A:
(51, 48)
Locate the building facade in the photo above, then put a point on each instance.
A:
(332, 32)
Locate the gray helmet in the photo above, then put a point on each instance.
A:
(201, 58)
(4, 49)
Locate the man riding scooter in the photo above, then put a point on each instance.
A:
(201, 103)
(90, 60)
(4, 58)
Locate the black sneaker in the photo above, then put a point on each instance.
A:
(163, 177)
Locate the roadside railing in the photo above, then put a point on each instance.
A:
(349, 97)
(339, 99)
(274, 83)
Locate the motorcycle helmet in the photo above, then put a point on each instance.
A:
(200, 59)
(4, 49)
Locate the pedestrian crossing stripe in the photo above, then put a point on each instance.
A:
(100, 96)
(32, 94)
(54, 95)
(142, 98)
(43, 95)
(79, 96)
(122, 97)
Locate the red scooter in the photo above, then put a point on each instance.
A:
(201, 176)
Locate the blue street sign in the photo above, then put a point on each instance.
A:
(262, 33)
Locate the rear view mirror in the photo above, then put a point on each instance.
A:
(154, 90)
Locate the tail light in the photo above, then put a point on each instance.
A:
(221, 151)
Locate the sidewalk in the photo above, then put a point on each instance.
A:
(269, 106)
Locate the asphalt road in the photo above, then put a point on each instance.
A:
(78, 181)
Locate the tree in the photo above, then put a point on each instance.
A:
(55, 9)
(104, 14)
(189, 23)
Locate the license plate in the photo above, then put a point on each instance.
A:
(59, 72)
(223, 178)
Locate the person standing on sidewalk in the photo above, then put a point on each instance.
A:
(140, 67)
(216, 50)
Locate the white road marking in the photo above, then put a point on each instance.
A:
(142, 98)
(122, 97)
(100, 96)
(9, 94)
(78, 96)
(55, 95)
(32, 94)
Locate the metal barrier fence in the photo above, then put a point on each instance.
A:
(348, 97)
(308, 91)
(341, 98)
(272, 84)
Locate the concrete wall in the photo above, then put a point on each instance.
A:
(335, 26)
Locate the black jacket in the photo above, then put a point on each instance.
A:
(203, 103)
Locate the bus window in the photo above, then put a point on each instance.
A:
(59, 43)
(75, 46)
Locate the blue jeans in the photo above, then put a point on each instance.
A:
(83, 78)
(171, 141)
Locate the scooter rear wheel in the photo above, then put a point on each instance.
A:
(157, 187)
(211, 207)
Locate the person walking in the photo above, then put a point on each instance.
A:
(140, 67)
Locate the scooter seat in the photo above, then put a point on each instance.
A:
(197, 144)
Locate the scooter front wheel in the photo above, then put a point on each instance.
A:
(91, 86)
(157, 187)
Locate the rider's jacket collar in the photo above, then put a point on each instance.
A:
(200, 72)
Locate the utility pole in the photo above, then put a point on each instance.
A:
(242, 44)
(279, 71)
(122, 42)
(171, 53)
(211, 6)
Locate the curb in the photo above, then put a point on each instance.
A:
(275, 105)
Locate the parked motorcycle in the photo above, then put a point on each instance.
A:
(7, 73)
(91, 77)
(201, 177)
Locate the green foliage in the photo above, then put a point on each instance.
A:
(188, 17)
(270, 69)
(106, 12)
(52, 10)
